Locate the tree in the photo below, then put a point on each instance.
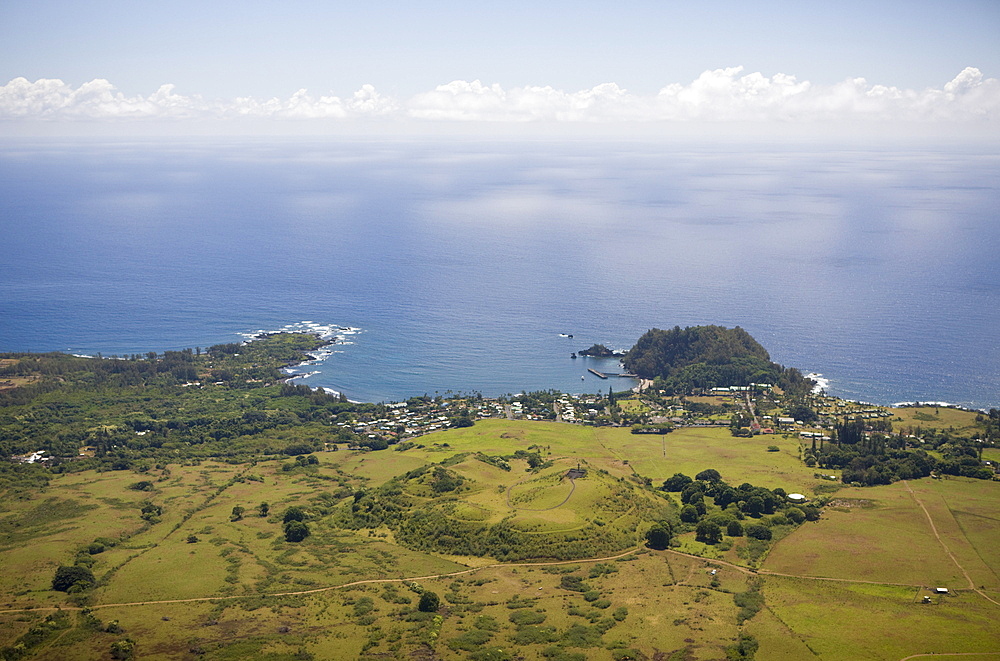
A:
(294, 513)
(758, 531)
(734, 529)
(72, 578)
(677, 482)
(709, 475)
(429, 602)
(296, 531)
(237, 514)
(708, 532)
(689, 514)
(754, 506)
(263, 509)
(658, 537)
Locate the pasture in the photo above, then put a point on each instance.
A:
(353, 593)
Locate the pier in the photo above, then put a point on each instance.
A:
(604, 375)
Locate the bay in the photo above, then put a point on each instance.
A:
(464, 262)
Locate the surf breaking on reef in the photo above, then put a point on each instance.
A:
(332, 334)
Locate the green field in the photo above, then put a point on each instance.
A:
(351, 591)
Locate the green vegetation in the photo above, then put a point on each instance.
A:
(474, 542)
(703, 357)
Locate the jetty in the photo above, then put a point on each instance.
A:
(604, 375)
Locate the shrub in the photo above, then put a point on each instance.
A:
(658, 537)
(296, 531)
(532, 635)
(68, 578)
(573, 584)
(758, 531)
(525, 616)
(429, 602)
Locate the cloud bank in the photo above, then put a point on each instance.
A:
(720, 95)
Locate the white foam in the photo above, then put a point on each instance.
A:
(922, 403)
(822, 383)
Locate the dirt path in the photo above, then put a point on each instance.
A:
(937, 536)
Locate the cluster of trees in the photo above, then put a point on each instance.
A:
(870, 458)
(991, 425)
(76, 402)
(714, 509)
(294, 524)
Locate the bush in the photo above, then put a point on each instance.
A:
(758, 531)
(573, 584)
(471, 640)
(525, 616)
(296, 531)
(533, 635)
(429, 602)
(67, 578)
(658, 537)
(795, 515)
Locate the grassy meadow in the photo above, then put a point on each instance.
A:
(192, 582)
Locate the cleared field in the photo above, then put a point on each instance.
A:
(933, 417)
(849, 622)
(691, 450)
(875, 534)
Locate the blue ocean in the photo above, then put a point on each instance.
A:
(463, 266)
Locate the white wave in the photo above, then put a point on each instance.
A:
(302, 375)
(922, 403)
(822, 383)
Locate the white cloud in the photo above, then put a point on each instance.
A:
(720, 95)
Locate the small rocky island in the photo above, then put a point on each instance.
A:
(601, 351)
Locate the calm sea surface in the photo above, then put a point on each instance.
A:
(462, 263)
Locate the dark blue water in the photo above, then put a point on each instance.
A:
(462, 262)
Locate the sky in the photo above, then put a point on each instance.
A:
(84, 65)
